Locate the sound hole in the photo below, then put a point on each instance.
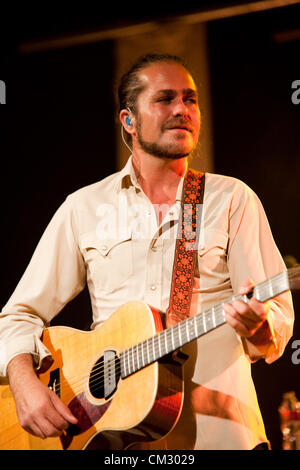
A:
(105, 375)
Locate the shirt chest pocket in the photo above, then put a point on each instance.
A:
(108, 261)
(213, 252)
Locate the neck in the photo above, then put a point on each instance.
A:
(159, 177)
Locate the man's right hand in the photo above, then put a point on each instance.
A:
(40, 411)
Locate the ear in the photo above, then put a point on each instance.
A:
(128, 124)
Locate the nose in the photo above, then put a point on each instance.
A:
(180, 108)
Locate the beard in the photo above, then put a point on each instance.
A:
(170, 151)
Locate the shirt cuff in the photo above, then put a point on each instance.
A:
(29, 344)
(268, 347)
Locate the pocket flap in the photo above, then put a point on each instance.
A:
(103, 245)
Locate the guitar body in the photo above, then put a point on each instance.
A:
(144, 406)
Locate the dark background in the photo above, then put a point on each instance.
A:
(57, 135)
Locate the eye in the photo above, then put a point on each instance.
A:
(165, 99)
(191, 99)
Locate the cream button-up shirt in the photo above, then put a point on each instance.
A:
(107, 235)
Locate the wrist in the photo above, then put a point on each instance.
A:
(262, 336)
(19, 367)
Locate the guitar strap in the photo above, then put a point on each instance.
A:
(186, 248)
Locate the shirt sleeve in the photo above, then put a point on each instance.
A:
(54, 276)
(252, 252)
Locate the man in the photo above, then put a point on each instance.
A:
(90, 239)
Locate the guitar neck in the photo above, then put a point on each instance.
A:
(171, 339)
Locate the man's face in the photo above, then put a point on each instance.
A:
(168, 118)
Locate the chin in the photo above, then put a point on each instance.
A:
(169, 149)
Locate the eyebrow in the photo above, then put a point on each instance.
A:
(171, 92)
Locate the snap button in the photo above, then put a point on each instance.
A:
(153, 287)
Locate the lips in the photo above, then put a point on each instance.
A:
(183, 128)
(179, 126)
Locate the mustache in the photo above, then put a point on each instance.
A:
(178, 123)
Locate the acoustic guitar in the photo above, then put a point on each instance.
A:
(124, 380)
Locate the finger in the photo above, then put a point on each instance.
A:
(259, 308)
(42, 428)
(44, 424)
(35, 430)
(245, 311)
(246, 286)
(241, 312)
(253, 310)
(243, 325)
(63, 410)
(240, 328)
(48, 428)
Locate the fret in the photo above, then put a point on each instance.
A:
(147, 360)
(179, 334)
(143, 357)
(143, 354)
(132, 359)
(135, 357)
(199, 328)
(123, 364)
(195, 325)
(148, 352)
(164, 336)
(166, 342)
(209, 321)
(153, 348)
(271, 288)
(159, 347)
(187, 331)
(172, 337)
(214, 316)
(223, 316)
(191, 329)
(128, 362)
(204, 322)
(138, 356)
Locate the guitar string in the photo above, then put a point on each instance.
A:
(292, 273)
(138, 350)
(71, 387)
(264, 288)
(155, 354)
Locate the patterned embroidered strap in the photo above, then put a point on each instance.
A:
(186, 248)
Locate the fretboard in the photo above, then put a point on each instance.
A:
(142, 354)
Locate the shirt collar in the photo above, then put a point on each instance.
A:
(127, 178)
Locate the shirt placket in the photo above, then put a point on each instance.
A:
(155, 265)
